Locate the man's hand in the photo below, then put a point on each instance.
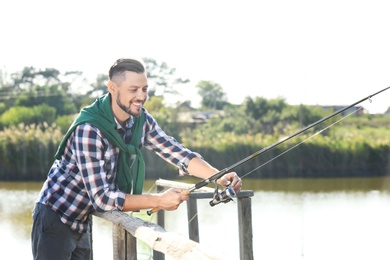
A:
(233, 179)
(172, 198)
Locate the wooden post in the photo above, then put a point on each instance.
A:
(124, 244)
(160, 213)
(174, 245)
(161, 222)
(245, 227)
(193, 225)
(126, 229)
(244, 208)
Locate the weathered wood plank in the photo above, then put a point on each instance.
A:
(181, 185)
(175, 245)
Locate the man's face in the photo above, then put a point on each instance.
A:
(129, 95)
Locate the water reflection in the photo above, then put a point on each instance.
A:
(292, 219)
(318, 185)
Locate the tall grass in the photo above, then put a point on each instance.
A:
(343, 153)
(27, 152)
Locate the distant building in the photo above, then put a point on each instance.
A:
(198, 117)
(191, 117)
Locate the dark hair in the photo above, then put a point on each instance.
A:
(123, 65)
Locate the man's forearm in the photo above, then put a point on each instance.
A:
(200, 168)
(138, 202)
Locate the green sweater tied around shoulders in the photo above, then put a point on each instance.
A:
(99, 114)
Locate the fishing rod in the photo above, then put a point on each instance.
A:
(228, 193)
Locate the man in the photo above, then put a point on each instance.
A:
(99, 167)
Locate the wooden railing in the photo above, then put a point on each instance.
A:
(125, 233)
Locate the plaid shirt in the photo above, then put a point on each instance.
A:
(84, 179)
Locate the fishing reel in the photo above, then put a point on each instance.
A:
(223, 196)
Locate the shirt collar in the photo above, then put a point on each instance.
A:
(129, 123)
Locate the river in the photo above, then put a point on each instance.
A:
(311, 219)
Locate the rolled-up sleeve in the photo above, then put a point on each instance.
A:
(167, 147)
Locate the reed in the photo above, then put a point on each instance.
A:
(347, 153)
(27, 152)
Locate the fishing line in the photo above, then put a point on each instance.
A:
(152, 188)
(228, 193)
(291, 148)
(189, 221)
(303, 141)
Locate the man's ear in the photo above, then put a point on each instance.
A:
(111, 86)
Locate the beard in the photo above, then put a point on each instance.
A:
(125, 108)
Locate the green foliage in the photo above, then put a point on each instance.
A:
(212, 94)
(3, 107)
(32, 87)
(263, 114)
(99, 86)
(155, 104)
(83, 101)
(64, 122)
(233, 120)
(28, 115)
(27, 151)
(50, 95)
(162, 78)
(367, 121)
(37, 108)
(304, 156)
(163, 115)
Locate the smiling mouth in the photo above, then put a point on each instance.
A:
(137, 105)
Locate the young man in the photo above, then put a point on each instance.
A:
(99, 167)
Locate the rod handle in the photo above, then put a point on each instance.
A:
(151, 211)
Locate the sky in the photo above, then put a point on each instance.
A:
(312, 52)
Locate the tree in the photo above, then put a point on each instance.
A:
(212, 94)
(28, 115)
(162, 78)
(164, 116)
(50, 76)
(52, 95)
(99, 87)
(264, 114)
(30, 77)
(233, 120)
(24, 79)
(32, 87)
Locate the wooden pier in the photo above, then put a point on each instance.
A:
(124, 242)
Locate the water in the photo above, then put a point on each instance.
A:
(292, 219)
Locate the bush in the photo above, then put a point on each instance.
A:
(28, 115)
(64, 122)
